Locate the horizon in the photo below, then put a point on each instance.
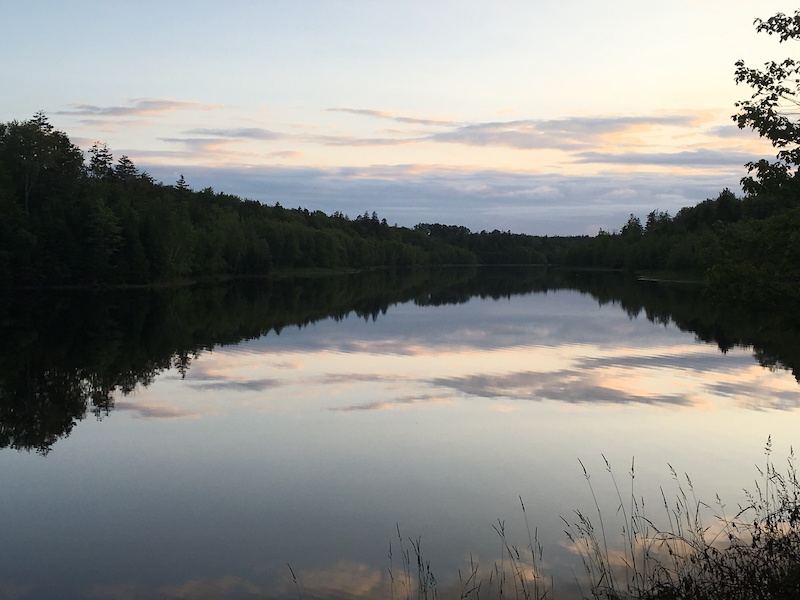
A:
(538, 119)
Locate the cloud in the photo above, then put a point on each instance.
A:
(198, 144)
(143, 106)
(564, 134)
(688, 158)
(231, 159)
(250, 133)
(731, 131)
(524, 134)
(219, 136)
(384, 114)
(291, 154)
(407, 194)
(209, 149)
(334, 140)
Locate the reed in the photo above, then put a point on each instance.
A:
(694, 550)
(699, 551)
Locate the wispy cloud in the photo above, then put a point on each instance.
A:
(137, 107)
(385, 114)
(571, 386)
(249, 133)
(564, 134)
(730, 131)
(154, 411)
(688, 158)
(344, 140)
(289, 154)
(527, 134)
(388, 404)
(595, 170)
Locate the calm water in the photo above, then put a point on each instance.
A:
(307, 421)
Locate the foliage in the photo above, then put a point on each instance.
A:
(772, 108)
(700, 552)
(758, 260)
(753, 554)
(64, 222)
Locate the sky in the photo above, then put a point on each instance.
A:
(540, 117)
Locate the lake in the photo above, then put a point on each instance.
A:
(270, 439)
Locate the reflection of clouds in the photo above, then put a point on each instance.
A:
(212, 589)
(391, 404)
(254, 385)
(393, 374)
(542, 347)
(683, 378)
(233, 371)
(335, 378)
(155, 411)
(754, 395)
(343, 581)
(12, 590)
(289, 364)
(565, 386)
(197, 589)
(698, 361)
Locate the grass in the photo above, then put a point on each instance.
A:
(695, 550)
(517, 575)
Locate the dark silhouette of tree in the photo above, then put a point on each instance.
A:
(125, 170)
(36, 155)
(101, 162)
(772, 108)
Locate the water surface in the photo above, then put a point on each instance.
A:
(243, 429)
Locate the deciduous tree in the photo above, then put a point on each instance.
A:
(772, 109)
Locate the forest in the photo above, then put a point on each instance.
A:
(67, 221)
(74, 220)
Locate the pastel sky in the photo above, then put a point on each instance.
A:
(534, 116)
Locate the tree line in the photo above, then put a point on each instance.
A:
(70, 220)
(66, 221)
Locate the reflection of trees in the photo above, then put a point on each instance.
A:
(68, 354)
(43, 403)
(772, 336)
